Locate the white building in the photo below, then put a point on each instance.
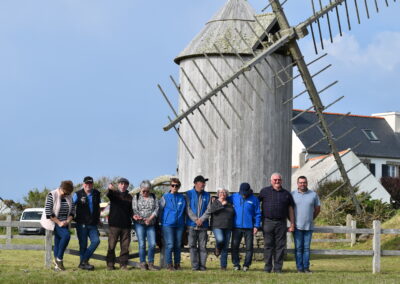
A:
(375, 140)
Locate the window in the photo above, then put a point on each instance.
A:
(389, 171)
(370, 135)
(372, 168)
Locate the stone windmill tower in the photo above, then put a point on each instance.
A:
(234, 116)
(245, 134)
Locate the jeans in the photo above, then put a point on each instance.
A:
(198, 247)
(302, 241)
(143, 232)
(173, 241)
(123, 235)
(84, 232)
(61, 240)
(222, 237)
(274, 243)
(237, 235)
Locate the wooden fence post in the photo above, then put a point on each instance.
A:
(349, 218)
(8, 231)
(376, 247)
(48, 249)
(353, 236)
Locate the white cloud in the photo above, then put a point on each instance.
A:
(382, 52)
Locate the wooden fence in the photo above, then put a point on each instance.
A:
(376, 251)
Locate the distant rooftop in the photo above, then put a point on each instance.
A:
(373, 134)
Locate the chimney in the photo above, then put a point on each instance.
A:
(392, 118)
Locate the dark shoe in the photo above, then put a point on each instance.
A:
(217, 251)
(152, 267)
(267, 269)
(170, 267)
(195, 268)
(110, 267)
(236, 268)
(300, 271)
(177, 266)
(86, 266)
(143, 266)
(202, 268)
(124, 267)
(307, 271)
(59, 264)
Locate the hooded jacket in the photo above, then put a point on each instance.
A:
(247, 211)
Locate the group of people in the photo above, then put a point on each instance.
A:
(230, 217)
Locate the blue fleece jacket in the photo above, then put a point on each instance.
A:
(247, 211)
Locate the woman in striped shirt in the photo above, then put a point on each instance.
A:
(59, 211)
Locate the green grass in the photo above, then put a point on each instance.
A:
(27, 267)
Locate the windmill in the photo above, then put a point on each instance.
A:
(234, 116)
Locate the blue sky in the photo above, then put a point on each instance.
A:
(78, 83)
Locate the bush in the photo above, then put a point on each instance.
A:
(392, 186)
(335, 208)
(327, 187)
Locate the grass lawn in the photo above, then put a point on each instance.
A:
(27, 267)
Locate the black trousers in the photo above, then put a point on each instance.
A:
(274, 243)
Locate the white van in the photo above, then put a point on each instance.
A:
(31, 215)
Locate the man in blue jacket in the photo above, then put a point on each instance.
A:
(246, 223)
(197, 210)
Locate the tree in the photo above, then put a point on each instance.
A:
(15, 207)
(36, 198)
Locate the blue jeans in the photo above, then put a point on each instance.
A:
(61, 240)
(83, 232)
(302, 241)
(143, 232)
(237, 235)
(222, 237)
(173, 241)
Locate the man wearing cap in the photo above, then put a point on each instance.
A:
(120, 223)
(197, 210)
(87, 217)
(277, 207)
(246, 223)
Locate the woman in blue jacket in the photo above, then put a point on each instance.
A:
(172, 208)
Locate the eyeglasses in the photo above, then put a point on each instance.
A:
(175, 185)
(278, 179)
(145, 191)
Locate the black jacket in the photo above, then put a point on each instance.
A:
(121, 211)
(221, 215)
(83, 215)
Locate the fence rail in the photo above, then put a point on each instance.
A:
(351, 231)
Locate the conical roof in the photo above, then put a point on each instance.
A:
(235, 14)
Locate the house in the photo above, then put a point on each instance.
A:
(374, 140)
(4, 209)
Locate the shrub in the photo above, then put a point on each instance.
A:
(392, 186)
(335, 208)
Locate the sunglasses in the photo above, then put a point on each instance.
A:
(175, 185)
(147, 191)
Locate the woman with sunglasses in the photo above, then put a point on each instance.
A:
(59, 211)
(172, 208)
(145, 209)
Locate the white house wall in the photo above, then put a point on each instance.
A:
(297, 148)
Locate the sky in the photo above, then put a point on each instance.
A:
(78, 82)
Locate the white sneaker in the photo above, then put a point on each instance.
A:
(245, 268)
